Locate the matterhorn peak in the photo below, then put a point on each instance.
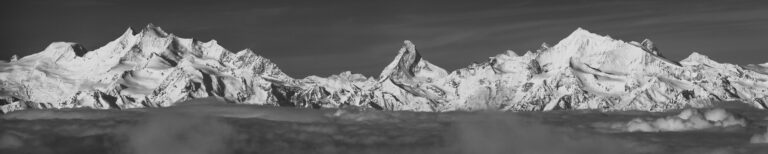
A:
(409, 46)
(405, 55)
(14, 58)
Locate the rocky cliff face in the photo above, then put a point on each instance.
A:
(583, 71)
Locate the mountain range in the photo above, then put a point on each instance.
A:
(153, 68)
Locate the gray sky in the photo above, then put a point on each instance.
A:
(327, 37)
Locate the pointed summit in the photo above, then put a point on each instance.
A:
(151, 29)
(393, 66)
(128, 31)
(580, 34)
(409, 46)
(409, 63)
(127, 37)
(581, 37)
(14, 58)
(580, 30)
(152, 39)
(696, 58)
(581, 44)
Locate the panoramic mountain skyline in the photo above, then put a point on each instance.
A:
(383, 76)
(154, 68)
(315, 38)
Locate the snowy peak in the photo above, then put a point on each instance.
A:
(581, 43)
(582, 34)
(584, 47)
(409, 64)
(153, 31)
(406, 55)
(151, 68)
(581, 37)
(696, 58)
(584, 70)
(409, 46)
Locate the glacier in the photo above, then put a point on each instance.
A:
(152, 68)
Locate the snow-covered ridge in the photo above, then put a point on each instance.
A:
(153, 68)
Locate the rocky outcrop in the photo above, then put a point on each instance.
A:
(153, 68)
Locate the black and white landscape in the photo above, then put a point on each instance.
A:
(151, 91)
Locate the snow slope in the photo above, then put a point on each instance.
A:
(153, 68)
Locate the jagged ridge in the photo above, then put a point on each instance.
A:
(583, 71)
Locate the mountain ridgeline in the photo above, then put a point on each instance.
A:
(153, 68)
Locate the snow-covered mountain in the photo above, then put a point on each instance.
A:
(153, 68)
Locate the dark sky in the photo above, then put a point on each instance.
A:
(327, 37)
